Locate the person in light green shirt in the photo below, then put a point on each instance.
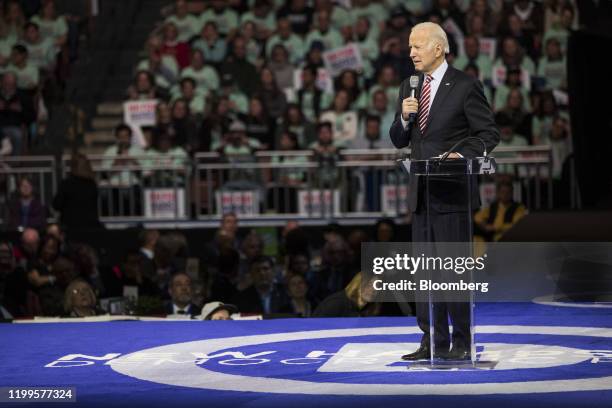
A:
(552, 66)
(51, 25)
(164, 154)
(195, 97)
(263, 17)
(366, 41)
(164, 68)
(26, 73)
(375, 12)
(6, 46)
(205, 76)
(472, 55)
(292, 43)
(41, 51)
(330, 37)
(186, 24)
(508, 138)
(122, 153)
(224, 17)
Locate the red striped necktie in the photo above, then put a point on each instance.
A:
(424, 104)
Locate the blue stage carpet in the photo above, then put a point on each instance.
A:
(546, 357)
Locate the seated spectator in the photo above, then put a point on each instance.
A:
(242, 71)
(292, 42)
(515, 109)
(51, 25)
(26, 210)
(273, 98)
(215, 125)
(236, 142)
(324, 32)
(282, 195)
(562, 28)
(80, 299)
(42, 51)
(472, 55)
(349, 82)
(13, 285)
(385, 230)
(16, 114)
(335, 272)
(248, 30)
(217, 311)
(387, 81)
(181, 296)
(194, 97)
(184, 124)
(210, 44)
(144, 87)
(13, 21)
(544, 114)
(295, 122)
(27, 250)
(164, 68)
(186, 23)
(299, 13)
(164, 153)
(131, 273)
(171, 46)
(560, 140)
(508, 138)
(325, 143)
(122, 153)
(511, 55)
(349, 302)
(310, 99)
(205, 76)
(326, 153)
(259, 124)
(77, 196)
(86, 266)
(493, 221)
(513, 81)
(366, 40)
(26, 72)
(513, 27)
(263, 295)
(552, 67)
(298, 303)
(281, 67)
(225, 18)
(262, 15)
(371, 135)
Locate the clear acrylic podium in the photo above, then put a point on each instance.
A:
(451, 168)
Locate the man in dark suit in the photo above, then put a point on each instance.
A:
(450, 107)
(181, 294)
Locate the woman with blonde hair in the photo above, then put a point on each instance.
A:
(80, 299)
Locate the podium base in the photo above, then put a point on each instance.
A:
(465, 365)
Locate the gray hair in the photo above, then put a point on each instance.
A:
(438, 35)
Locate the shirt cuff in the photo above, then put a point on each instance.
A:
(404, 122)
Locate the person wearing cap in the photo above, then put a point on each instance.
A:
(218, 311)
(181, 296)
(236, 142)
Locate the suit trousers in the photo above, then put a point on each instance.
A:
(443, 227)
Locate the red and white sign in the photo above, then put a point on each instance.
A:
(137, 114)
(239, 202)
(389, 196)
(167, 203)
(319, 203)
(341, 59)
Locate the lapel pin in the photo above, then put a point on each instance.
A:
(448, 83)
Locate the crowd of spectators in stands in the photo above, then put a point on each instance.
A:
(257, 66)
(46, 274)
(38, 42)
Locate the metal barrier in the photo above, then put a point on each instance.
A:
(271, 185)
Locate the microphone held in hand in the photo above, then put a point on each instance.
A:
(414, 83)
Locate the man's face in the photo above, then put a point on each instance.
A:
(471, 47)
(424, 54)
(123, 139)
(32, 34)
(504, 193)
(262, 275)
(180, 291)
(30, 241)
(230, 224)
(506, 133)
(325, 135)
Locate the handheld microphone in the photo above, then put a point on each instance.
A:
(414, 83)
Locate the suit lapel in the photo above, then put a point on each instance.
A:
(444, 89)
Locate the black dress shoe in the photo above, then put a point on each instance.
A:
(458, 354)
(423, 353)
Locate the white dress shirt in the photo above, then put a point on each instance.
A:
(437, 75)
